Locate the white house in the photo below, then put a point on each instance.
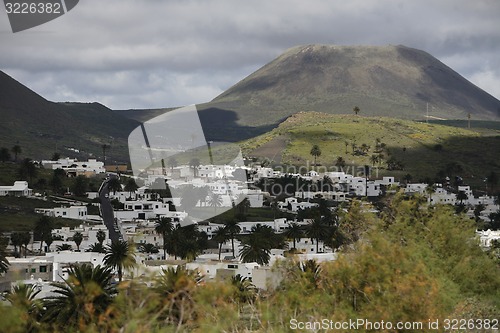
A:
(486, 236)
(19, 189)
(416, 188)
(441, 196)
(71, 212)
(144, 209)
(293, 205)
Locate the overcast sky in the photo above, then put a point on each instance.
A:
(151, 53)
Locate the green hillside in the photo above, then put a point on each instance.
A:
(421, 149)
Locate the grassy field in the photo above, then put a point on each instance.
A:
(422, 148)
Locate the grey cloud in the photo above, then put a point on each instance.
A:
(132, 54)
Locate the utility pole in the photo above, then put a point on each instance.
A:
(427, 116)
(468, 120)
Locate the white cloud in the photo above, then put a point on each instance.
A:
(488, 80)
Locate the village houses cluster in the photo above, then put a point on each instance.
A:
(142, 208)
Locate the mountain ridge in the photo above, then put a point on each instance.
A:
(389, 81)
(395, 81)
(42, 127)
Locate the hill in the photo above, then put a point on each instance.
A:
(389, 81)
(420, 149)
(42, 127)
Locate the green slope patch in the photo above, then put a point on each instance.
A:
(391, 146)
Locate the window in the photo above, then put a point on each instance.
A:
(33, 270)
(232, 266)
(64, 213)
(43, 269)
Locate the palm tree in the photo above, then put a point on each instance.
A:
(315, 152)
(114, 185)
(87, 293)
(120, 256)
(356, 110)
(245, 290)
(149, 248)
(97, 247)
(215, 200)
(27, 169)
(380, 158)
(340, 162)
(172, 162)
(220, 236)
(4, 263)
(49, 239)
(25, 240)
(194, 163)
(233, 229)
(22, 297)
(78, 238)
(131, 186)
(174, 241)
(64, 247)
(15, 239)
(172, 280)
(163, 227)
(104, 147)
(294, 232)
(462, 196)
(311, 270)
(101, 236)
(317, 230)
(175, 287)
(374, 159)
(430, 191)
(255, 249)
(354, 147)
(43, 227)
(16, 150)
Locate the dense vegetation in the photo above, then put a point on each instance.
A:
(411, 262)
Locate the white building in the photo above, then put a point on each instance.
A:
(416, 188)
(441, 196)
(144, 210)
(71, 212)
(215, 171)
(486, 236)
(19, 189)
(73, 167)
(293, 205)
